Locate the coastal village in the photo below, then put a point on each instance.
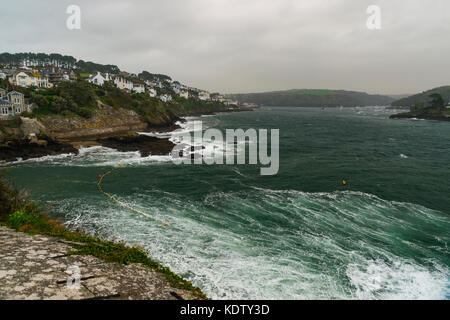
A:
(27, 75)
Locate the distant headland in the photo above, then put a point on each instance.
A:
(433, 104)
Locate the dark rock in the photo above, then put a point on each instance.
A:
(408, 115)
(27, 150)
(145, 144)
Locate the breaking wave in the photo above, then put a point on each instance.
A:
(269, 244)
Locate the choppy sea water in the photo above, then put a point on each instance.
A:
(299, 234)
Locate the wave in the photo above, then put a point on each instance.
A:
(94, 157)
(285, 244)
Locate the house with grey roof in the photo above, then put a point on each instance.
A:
(13, 103)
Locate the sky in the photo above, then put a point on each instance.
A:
(237, 46)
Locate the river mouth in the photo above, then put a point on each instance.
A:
(297, 235)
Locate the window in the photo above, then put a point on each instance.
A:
(5, 110)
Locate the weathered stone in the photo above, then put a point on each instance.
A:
(37, 268)
(106, 121)
(31, 126)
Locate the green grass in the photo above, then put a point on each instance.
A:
(27, 217)
(85, 75)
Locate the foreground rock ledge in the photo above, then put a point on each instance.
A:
(35, 267)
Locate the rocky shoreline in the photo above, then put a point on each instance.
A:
(116, 129)
(408, 115)
(25, 149)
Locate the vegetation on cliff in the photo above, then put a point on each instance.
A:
(423, 99)
(79, 98)
(313, 98)
(22, 215)
(433, 109)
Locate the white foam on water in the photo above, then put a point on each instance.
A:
(47, 158)
(279, 244)
(95, 157)
(399, 279)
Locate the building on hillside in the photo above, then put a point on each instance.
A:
(448, 106)
(2, 75)
(23, 79)
(123, 83)
(100, 78)
(138, 88)
(5, 107)
(2, 93)
(216, 97)
(165, 98)
(57, 75)
(16, 98)
(204, 95)
(13, 103)
(154, 83)
(176, 87)
(194, 89)
(229, 102)
(44, 82)
(176, 90)
(152, 92)
(184, 94)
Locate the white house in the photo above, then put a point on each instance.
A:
(2, 75)
(203, 95)
(138, 88)
(165, 98)
(43, 82)
(184, 94)
(29, 79)
(123, 83)
(448, 106)
(152, 92)
(23, 79)
(100, 78)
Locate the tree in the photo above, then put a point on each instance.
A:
(437, 102)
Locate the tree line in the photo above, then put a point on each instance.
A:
(30, 59)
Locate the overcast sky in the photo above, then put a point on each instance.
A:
(247, 45)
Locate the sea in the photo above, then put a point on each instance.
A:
(299, 234)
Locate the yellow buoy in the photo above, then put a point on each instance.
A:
(165, 224)
(344, 182)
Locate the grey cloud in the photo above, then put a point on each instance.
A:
(248, 45)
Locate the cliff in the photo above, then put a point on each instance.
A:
(106, 121)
